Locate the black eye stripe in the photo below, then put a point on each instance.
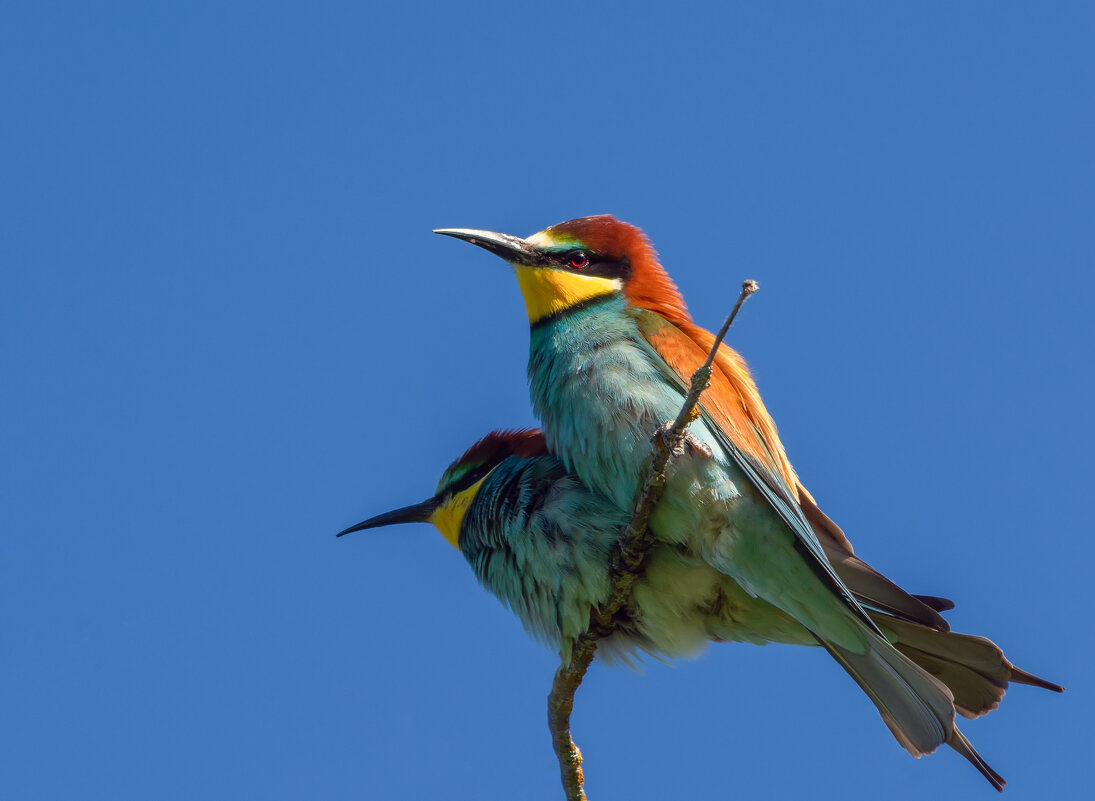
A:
(594, 264)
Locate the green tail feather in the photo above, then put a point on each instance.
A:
(917, 707)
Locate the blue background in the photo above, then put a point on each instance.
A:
(227, 333)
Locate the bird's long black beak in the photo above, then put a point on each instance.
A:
(418, 513)
(510, 248)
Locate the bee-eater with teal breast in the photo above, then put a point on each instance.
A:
(612, 348)
(541, 541)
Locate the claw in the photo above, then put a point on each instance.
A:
(688, 442)
(697, 445)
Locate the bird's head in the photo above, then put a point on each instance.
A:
(460, 482)
(582, 261)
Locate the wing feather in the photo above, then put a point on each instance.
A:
(725, 410)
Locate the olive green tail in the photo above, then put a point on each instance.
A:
(974, 669)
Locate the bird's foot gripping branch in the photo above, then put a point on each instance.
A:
(628, 562)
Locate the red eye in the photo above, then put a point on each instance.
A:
(578, 259)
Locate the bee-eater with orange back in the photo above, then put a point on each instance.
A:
(612, 349)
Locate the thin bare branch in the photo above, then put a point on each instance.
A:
(628, 563)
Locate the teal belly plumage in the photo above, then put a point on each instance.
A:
(599, 392)
(540, 540)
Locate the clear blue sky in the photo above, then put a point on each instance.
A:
(228, 333)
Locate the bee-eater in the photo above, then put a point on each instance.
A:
(612, 348)
(541, 540)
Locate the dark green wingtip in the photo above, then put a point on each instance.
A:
(418, 513)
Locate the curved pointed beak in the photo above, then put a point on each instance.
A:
(418, 513)
(510, 248)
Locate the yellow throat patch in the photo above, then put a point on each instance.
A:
(449, 517)
(549, 291)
